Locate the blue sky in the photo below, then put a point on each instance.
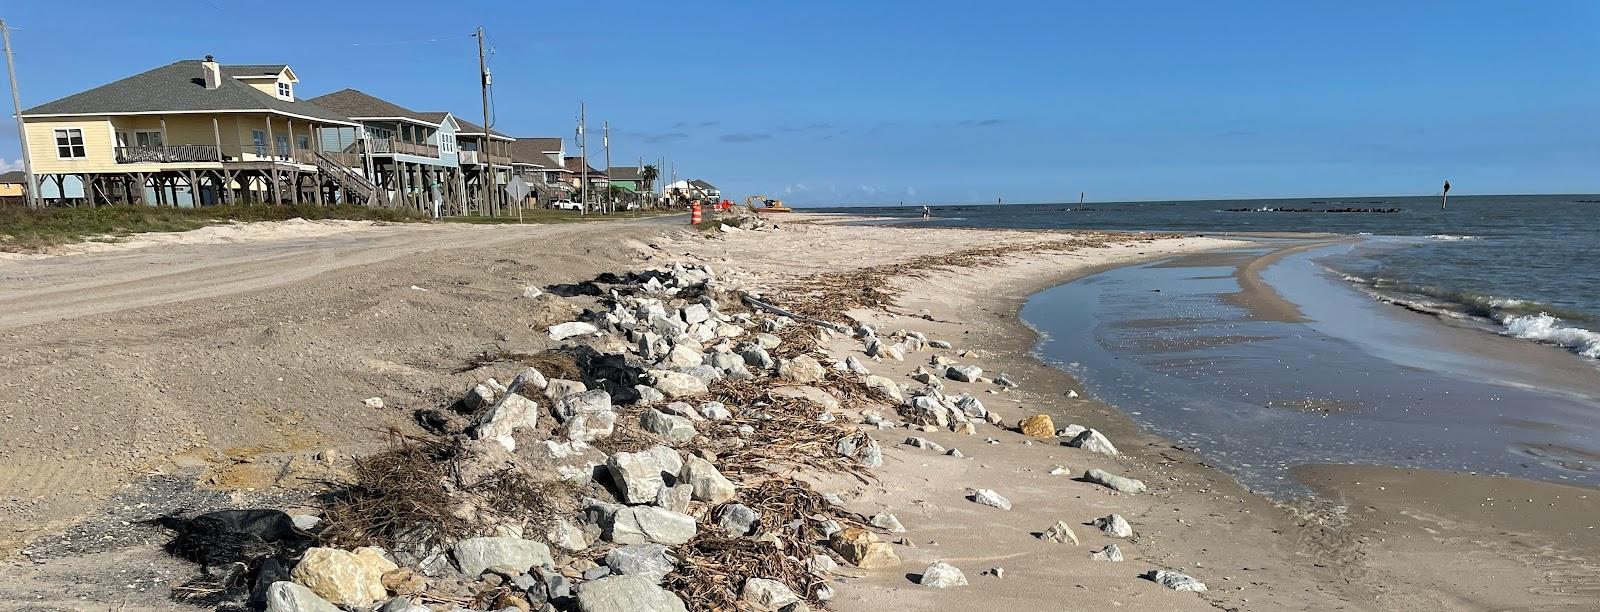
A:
(826, 102)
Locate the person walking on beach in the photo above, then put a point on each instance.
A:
(925, 212)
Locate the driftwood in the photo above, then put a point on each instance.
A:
(760, 305)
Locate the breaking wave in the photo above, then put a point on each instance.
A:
(1453, 237)
(1511, 317)
(1551, 330)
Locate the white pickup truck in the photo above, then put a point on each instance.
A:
(566, 205)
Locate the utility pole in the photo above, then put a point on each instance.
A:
(485, 174)
(605, 143)
(32, 195)
(583, 154)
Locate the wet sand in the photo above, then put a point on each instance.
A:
(1447, 540)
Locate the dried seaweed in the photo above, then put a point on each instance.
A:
(406, 495)
(714, 566)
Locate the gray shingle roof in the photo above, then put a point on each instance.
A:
(468, 127)
(702, 184)
(358, 104)
(14, 177)
(176, 87)
(250, 70)
(526, 151)
(545, 145)
(624, 173)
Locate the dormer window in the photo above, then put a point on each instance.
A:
(285, 90)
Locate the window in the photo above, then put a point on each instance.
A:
(147, 139)
(69, 144)
(283, 144)
(447, 143)
(302, 142)
(259, 139)
(285, 91)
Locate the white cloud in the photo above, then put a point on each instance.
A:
(7, 165)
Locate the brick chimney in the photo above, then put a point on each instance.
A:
(213, 72)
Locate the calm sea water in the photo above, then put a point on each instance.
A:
(1523, 266)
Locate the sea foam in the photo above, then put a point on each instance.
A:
(1545, 328)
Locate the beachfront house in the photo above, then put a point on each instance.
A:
(538, 162)
(576, 173)
(411, 156)
(13, 187)
(694, 189)
(485, 155)
(189, 133)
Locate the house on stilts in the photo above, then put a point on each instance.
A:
(485, 156)
(194, 132)
(411, 156)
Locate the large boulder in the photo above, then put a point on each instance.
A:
(627, 594)
(1120, 483)
(682, 356)
(884, 388)
(513, 412)
(988, 497)
(640, 476)
(670, 426)
(941, 575)
(1175, 581)
(583, 402)
(738, 520)
(863, 549)
(755, 356)
(802, 369)
(641, 524)
(1094, 442)
(285, 596)
(475, 555)
(1060, 533)
(708, 483)
(966, 373)
(677, 384)
(650, 560)
(343, 578)
(767, 595)
(1038, 426)
(1114, 526)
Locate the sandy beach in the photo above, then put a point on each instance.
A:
(216, 373)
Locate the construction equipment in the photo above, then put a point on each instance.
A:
(767, 205)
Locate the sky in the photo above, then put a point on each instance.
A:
(852, 103)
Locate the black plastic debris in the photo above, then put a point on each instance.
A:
(240, 553)
(610, 372)
(575, 289)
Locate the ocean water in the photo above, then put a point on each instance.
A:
(1526, 266)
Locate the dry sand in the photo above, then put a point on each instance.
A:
(229, 365)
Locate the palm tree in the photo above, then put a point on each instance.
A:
(648, 176)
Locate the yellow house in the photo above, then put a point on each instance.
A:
(192, 132)
(13, 187)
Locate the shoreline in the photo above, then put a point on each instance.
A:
(1253, 552)
(1315, 546)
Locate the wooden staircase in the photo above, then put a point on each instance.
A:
(345, 178)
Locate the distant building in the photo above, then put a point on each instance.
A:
(13, 187)
(695, 189)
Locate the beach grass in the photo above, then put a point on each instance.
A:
(27, 231)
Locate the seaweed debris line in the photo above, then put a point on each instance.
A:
(659, 458)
